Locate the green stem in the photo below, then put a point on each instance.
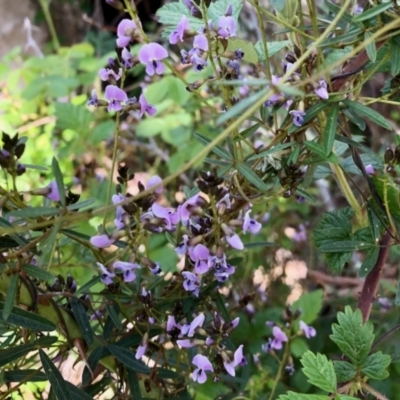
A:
(279, 374)
(47, 16)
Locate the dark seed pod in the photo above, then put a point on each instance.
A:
(389, 155)
(397, 154)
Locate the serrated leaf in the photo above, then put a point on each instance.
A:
(310, 305)
(59, 180)
(38, 272)
(127, 357)
(58, 385)
(373, 12)
(29, 320)
(240, 107)
(11, 296)
(370, 47)
(375, 366)
(369, 261)
(252, 177)
(299, 396)
(82, 320)
(368, 112)
(319, 371)
(330, 129)
(353, 337)
(344, 371)
(218, 150)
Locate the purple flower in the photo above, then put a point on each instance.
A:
(145, 107)
(140, 351)
(358, 9)
(199, 254)
(322, 90)
(128, 270)
(171, 323)
(203, 364)
(106, 275)
(301, 234)
(200, 42)
(187, 206)
(53, 194)
(196, 323)
(279, 338)
(105, 74)
(182, 247)
(227, 27)
(118, 198)
(115, 96)
(93, 101)
(125, 31)
(153, 181)
(191, 282)
(102, 241)
(229, 11)
(177, 35)
(186, 343)
(235, 241)
(127, 58)
(198, 63)
(156, 269)
(308, 331)
(165, 214)
(238, 359)
(151, 54)
(298, 117)
(369, 169)
(250, 224)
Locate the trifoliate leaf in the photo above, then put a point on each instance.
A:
(375, 366)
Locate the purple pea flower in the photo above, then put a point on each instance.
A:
(199, 254)
(234, 241)
(54, 193)
(182, 247)
(250, 224)
(177, 35)
(171, 323)
(125, 30)
(203, 364)
(102, 241)
(229, 11)
(115, 96)
(191, 282)
(196, 323)
(322, 90)
(186, 343)
(167, 215)
(298, 117)
(308, 331)
(128, 270)
(146, 107)
(238, 359)
(279, 338)
(151, 54)
(301, 234)
(153, 181)
(358, 9)
(369, 169)
(141, 350)
(93, 101)
(105, 74)
(200, 42)
(227, 27)
(187, 206)
(106, 275)
(198, 63)
(117, 198)
(127, 58)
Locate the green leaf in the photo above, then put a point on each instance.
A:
(218, 8)
(330, 129)
(218, 150)
(272, 150)
(373, 12)
(314, 110)
(353, 337)
(367, 112)
(247, 132)
(134, 386)
(59, 180)
(355, 119)
(344, 371)
(367, 158)
(272, 48)
(38, 273)
(345, 397)
(70, 116)
(250, 54)
(82, 320)
(26, 375)
(310, 305)
(369, 261)
(375, 366)
(11, 295)
(127, 357)
(252, 177)
(58, 385)
(345, 246)
(370, 47)
(319, 371)
(14, 353)
(113, 313)
(240, 107)
(34, 212)
(316, 148)
(278, 4)
(395, 59)
(76, 393)
(298, 396)
(26, 319)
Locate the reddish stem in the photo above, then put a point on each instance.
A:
(371, 282)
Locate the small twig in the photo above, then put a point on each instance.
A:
(385, 336)
(374, 392)
(371, 283)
